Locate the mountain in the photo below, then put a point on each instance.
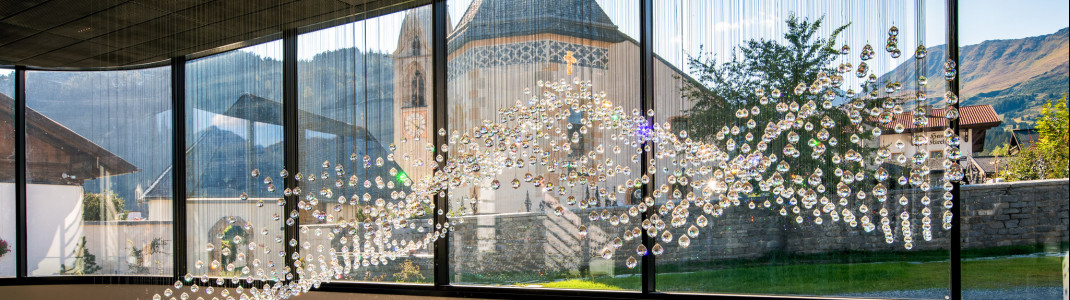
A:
(129, 112)
(1015, 76)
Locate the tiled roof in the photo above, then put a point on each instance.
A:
(1024, 138)
(990, 163)
(973, 116)
(488, 19)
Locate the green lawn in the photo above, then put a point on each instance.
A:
(841, 278)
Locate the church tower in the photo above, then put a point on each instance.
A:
(413, 101)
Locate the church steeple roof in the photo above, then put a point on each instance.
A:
(487, 19)
(419, 17)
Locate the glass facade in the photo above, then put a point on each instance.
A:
(801, 224)
(96, 145)
(795, 149)
(530, 225)
(364, 90)
(1014, 236)
(7, 174)
(233, 151)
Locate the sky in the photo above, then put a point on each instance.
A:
(728, 22)
(1001, 19)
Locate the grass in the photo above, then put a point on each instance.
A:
(580, 284)
(1012, 272)
(844, 278)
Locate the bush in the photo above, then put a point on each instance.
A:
(1048, 157)
(94, 209)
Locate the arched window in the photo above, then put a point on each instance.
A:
(415, 45)
(417, 90)
(233, 246)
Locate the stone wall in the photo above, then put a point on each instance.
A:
(1020, 213)
(1016, 213)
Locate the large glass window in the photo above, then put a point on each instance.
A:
(234, 164)
(97, 144)
(805, 101)
(1013, 95)
(364, 122)
(543, 198)
(799, 149)
(7, 174)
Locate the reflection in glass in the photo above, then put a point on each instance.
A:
(1014, 236)
(97, 144)
(362, 97)
(526, 226)
(839, 195)
(233, 149)
(7, 174)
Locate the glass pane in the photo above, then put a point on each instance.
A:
(800, 131)
(1013, 90)
(545, 198)
(98, 144)
(234, 130)
(7, 174)
(357, 83)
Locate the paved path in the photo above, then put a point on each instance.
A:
(1038, 293)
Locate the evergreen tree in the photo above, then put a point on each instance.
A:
(85, 263)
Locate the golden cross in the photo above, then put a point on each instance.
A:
(569, 60)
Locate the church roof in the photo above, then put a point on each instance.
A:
(422, 18)
(487, 19)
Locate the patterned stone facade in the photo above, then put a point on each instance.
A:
(539, 51)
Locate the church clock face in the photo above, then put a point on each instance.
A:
(415, 124)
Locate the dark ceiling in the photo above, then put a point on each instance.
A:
(115, 33)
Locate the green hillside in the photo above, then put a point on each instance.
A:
(1015, 76)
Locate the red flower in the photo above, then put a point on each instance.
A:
(4, 248)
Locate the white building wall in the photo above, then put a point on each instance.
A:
(56, 212)
(112, 241)
(7, 227)
(204, 215)
(937, 142)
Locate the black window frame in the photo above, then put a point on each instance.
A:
(441, 286)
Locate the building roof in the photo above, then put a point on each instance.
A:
(40, 127)
(970, 117)
(259, 109)
(162, 187)
(489, 19)
(1024, 138)
(989, 164)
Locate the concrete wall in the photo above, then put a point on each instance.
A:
(7, 227)
(112, 241)
(57, 209)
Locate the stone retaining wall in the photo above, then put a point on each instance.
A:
(1019, 213)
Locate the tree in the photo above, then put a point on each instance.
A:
(409, 272)
(770, 81)
(84, 262)
(138, 257)
(96, 208)
(1048, 158)
(1054, 129)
